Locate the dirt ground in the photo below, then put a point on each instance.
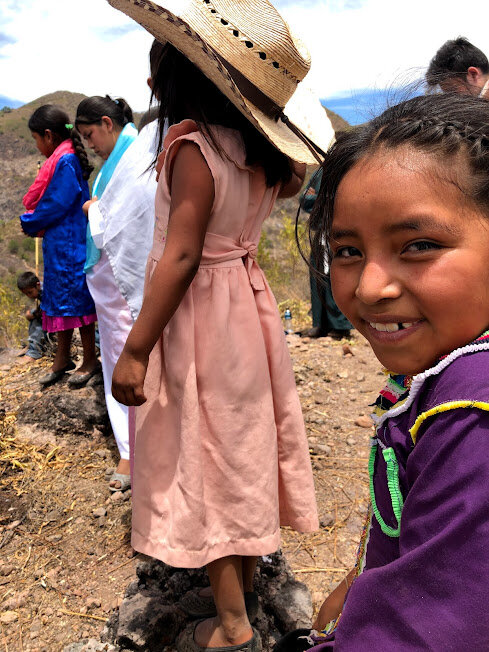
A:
(63, 568)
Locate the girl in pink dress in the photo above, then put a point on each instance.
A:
(221, 457)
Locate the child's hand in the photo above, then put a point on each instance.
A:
(88, 203)
(128, 380)
(333, 605)
(28, 315)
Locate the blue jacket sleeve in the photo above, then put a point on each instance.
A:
(60, 196)
(435, 595)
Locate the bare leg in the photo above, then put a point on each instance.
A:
(87, 334)
(231, 626)
(62, 356)
(249, 568)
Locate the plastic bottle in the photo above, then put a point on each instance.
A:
(288, 321)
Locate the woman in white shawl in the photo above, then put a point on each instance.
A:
(121, 227)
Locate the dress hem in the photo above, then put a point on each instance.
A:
(197, 559)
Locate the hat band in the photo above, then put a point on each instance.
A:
(252, 92)
(268, 106)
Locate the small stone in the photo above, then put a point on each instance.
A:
(346, 349)
(363, 422)
(351, 441)
(102, 452)
(13, 525)
(92, 603)
(324, 449)
(8, 617)
(360, 378)
(126, 495)
(108, 472)
(6, 569)
(130, 553)
(117, 496)
(48, 611)
(342, 374)
(99, 512)
(101, 521)
(54, 538)
(327, 520)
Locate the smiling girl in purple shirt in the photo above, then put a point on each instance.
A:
(404, 210)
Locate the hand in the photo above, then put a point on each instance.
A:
(28, 315)
(88, 203)
(128, 380)
(333, 605)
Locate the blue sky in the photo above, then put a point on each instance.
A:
(88, 46)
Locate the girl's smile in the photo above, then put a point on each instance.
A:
(410, 258)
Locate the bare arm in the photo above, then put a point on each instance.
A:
(293, 186)
(192, 197)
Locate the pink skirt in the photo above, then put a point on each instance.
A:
(58, 323)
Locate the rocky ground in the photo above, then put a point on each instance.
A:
(65, 553)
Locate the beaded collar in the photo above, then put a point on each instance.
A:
(397, 387)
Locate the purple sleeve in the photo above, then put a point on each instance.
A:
(435, 595)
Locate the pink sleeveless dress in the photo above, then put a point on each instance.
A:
(221, 457)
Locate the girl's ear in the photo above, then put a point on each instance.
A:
(48, 136)
(108, 123)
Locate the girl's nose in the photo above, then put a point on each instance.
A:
(377, 282)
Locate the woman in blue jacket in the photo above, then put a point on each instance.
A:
(54, 210)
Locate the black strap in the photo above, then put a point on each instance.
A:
(269, 107)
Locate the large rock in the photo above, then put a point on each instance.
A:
(63, 410)
(146, 623)
(149, 619)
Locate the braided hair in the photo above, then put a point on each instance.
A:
(57, 121)
(447, 126)
(91, 111)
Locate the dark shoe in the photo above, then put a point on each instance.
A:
(186, 643)
(203, 606)
(314, 332)
(80, 380)
(54, 376)
(339, 335)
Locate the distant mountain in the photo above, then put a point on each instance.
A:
(8, 101)
(362, 104)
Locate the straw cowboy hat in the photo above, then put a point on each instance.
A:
(249, 52)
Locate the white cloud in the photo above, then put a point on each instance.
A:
(90, 47)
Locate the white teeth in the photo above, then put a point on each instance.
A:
(386, 328)
(390, 327)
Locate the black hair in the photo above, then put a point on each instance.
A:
(453, 59)
(27, 280)
(91, 111)
(57, 121)
(446, 126)
(185, 92)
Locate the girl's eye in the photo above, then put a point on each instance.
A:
(421, 245)
(346, 252)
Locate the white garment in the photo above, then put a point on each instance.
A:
(114, 324)
(125, 215)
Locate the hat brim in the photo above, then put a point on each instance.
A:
(166, 26)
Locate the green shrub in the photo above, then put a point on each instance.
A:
(13, 246)
(28, 244)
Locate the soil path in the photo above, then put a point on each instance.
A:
(63, 568)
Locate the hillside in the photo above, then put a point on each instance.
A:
(278, 253)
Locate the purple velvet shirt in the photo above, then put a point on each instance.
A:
(428, 589)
